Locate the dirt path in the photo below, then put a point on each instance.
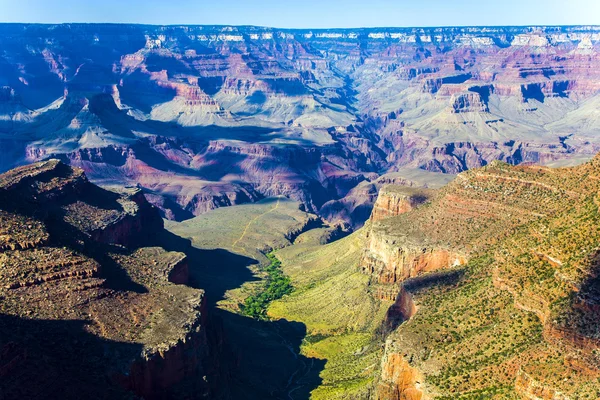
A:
(293, 383)
(250, 223)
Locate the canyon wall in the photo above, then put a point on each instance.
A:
(201, 117)
(395, 200)
(390, 261)
(76, 270)
(398, 381)
(487, 248)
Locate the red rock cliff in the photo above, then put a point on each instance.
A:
(395, 200)
(398, 381)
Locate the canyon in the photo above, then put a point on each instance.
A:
(486, 287)
(429, 194)
(201, 117)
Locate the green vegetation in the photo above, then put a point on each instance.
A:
(353, 361)
(334, 300)
(472, 332)
(505, 392)
(531, 235)
(276, 286)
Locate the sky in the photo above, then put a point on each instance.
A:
(307, 13)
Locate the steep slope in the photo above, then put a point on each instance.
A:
(85, 311)
(341, 312)
(516, 319)
(487, 290)
(469, 214)
(229, 245)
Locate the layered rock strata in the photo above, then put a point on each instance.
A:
(84, 310)
(202, 117)
(395, 200)
(517, 313)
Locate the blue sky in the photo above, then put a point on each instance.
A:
(307, 13)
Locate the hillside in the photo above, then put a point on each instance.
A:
(487, 290)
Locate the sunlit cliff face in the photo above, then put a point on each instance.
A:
(204, 117)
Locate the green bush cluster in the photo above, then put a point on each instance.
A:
(276, 286)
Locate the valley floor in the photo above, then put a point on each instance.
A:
(229, 247)
(322, 340)
(431, 303)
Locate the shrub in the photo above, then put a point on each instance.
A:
(276, 286)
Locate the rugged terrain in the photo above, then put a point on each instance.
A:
(230, 244)
(85, 309)
(202, 117)
(485, 288)
(490, 288)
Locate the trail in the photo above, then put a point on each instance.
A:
(292, 390)
(293, 381)
(250, 223)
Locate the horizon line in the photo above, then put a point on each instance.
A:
(296, 29)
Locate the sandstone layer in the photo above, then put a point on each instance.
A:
(201, 117)
(495, 281)
(395, 200)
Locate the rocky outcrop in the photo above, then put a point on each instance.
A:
(443, 233)
(400, 311)
(311, 222)
(528, 388)
(395, 200)
(123, 217)
(468, 102)
(137, 223)
(178, 270)
(50, 181)
(352, 209)
(398, 380)
(71, 251)
(305, 175)
(391, 260)
(161, 369)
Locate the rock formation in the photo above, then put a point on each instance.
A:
(497, 274)
(85, 311)
(201, 117)
(399, 381)
(395, 200)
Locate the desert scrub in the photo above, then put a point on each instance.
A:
(276, 286)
